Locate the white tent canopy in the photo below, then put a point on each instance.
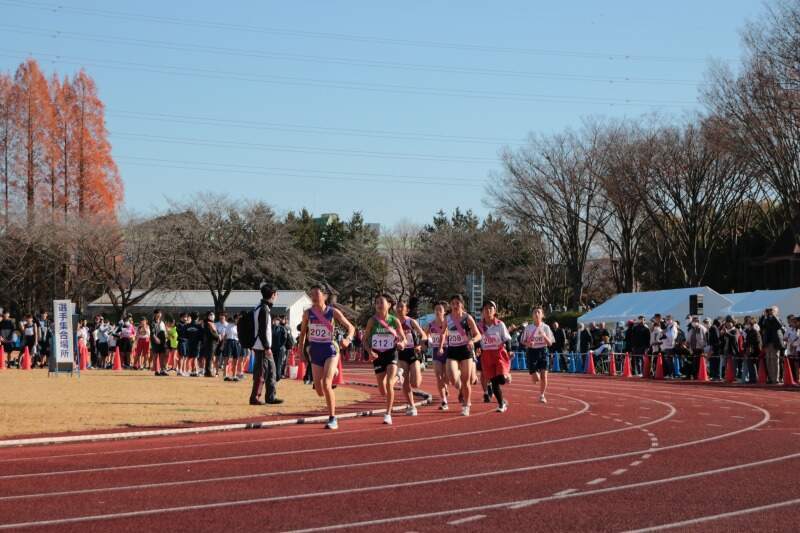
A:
(753, 303)
(675, 302)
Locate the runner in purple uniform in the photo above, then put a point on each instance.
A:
(317, 329)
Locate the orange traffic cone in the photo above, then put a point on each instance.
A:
(590, 364)
(702, 369)
(626, 366)
(788, 378)
(762, 371)
(659, 368)
(117, 361)
(2, 358)
(730, 375)
(301, 369)
(26, 360)
(338, 379)
(646, 366)
(612, 365)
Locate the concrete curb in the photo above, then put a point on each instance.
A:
(426, 399)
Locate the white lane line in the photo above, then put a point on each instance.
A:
(596, 481)
(677, 421)
(725, 407)
(565, 492)
(519, 504)
(714, 425)
(293, 452)
(644, 408)
(646, 456)
(721, 516)
(617, 420)
(619, 472)
(645, 417)
(324, 468)
(512, 504)
(467, 519)
(228, 443)
(704, 414)
(635, 463)
(736, 416)
(628, 423)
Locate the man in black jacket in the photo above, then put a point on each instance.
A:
(264, 370)
(640, 344)
(559, 347)
(772, 336)
(280, 341)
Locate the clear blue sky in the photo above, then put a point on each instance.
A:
(319, 103)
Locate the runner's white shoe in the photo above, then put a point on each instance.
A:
(502, 408)
(465, 410)
(387, 419)
(411, 411)
(542, 399)
(332, 423)
(444, 406)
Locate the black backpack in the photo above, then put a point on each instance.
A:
(247, 329)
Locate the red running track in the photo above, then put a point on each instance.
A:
(603, 455)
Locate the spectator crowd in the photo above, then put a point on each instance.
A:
(208, 345)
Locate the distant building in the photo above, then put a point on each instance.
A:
(326, 219)
(172, 303)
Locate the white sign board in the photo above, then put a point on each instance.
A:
(63, 344)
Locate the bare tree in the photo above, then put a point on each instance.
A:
(691, 193)
(402, 247)
(130, 260)
(757, 112)
(226, 246)
(551, 185)
(625, 155)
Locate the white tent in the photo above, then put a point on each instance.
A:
(675, 302)
(754, 303)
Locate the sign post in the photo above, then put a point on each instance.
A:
(62, 359)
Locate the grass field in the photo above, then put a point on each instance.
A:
(33, 403)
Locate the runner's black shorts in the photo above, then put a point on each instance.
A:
(537, 359)
(459, 353)
(384, 361)
(408, 356)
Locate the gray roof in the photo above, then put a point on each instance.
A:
(202, 299)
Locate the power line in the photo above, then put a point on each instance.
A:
(358, 86)
(320, 130)
(207, 24)
(305, 170)
(297, 149)
(327, 60)
(224, 168)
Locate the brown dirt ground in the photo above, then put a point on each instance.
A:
(33, 403)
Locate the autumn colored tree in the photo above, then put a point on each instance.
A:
(7, 137)
(99, 187)
(33, 118)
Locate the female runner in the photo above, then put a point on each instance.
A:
(382, 338)
(495, 347)
(462, 334)
(317, 329)
(436, 332)
(410, 356)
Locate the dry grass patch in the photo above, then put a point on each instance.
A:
(33, 403)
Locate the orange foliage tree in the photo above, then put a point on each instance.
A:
(54, 149)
